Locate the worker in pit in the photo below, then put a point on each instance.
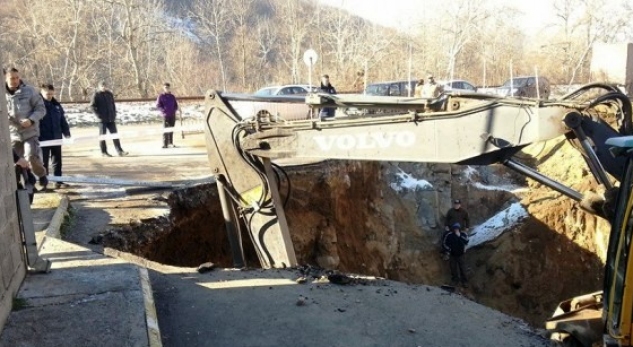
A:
(457, 214)
(454, 245)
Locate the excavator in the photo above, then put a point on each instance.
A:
(483, 130)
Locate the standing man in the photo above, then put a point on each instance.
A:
(326, 87)
(418, 88)
(431, 88)
(454, 245)
(457, 215)
(103, 106)
(168, 105)
(26, 108)
(52, 127)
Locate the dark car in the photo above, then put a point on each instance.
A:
(526, 87)
(393, 88)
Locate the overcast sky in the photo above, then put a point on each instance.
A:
(399, 13)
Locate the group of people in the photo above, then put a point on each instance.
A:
(38, 116)
(428, 89)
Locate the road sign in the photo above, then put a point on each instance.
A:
(310, 57)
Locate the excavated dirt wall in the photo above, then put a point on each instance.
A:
(367, 218)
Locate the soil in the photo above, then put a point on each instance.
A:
(345, 216)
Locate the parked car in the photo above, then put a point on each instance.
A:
(276, 110)
(391, 88)
(298, 89)
(525, 86)
(458, 86)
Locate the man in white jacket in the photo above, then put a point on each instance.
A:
(26, 108)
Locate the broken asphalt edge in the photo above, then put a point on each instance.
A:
(53, 229)
(151, 318)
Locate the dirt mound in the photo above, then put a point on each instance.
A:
(557, 253)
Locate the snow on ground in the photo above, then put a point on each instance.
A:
(409, 182)
(498, 224)
(470, 172)
(129, 113)
(503, 187)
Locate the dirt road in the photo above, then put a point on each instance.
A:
(265, 308)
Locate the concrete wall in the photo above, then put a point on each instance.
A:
(12, 261)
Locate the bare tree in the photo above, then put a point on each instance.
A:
(212, 18)
(241, 11)
(296, 22)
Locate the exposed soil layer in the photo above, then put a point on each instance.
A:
(347, 216)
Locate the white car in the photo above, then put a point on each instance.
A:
(296, 89)
(277, 111)
(458, 86)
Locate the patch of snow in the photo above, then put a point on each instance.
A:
(129, 113)
(507, 188)
(468, 172)
(498, 224)
(409, 182)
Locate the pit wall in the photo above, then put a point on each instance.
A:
(377, 218)
(12, 262)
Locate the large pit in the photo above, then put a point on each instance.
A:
(367, 218)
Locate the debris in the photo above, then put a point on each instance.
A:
(301, 301)
(301, 280)
(412, 331)
(96, 239)
(342, 310)
(448, 288)
(206, 267)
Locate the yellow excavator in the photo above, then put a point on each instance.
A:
(461, 128)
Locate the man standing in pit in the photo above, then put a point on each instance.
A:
(168, 105)
(26, 109)
(457, 214)
(454, 245)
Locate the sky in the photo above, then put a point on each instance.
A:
(395, 13)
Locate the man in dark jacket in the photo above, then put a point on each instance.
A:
(52, 127)
(454, 245)
(457, 215)
(326, 87)
(168, 105)
(103, 106)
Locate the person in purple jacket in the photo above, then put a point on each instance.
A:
(168, 105)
